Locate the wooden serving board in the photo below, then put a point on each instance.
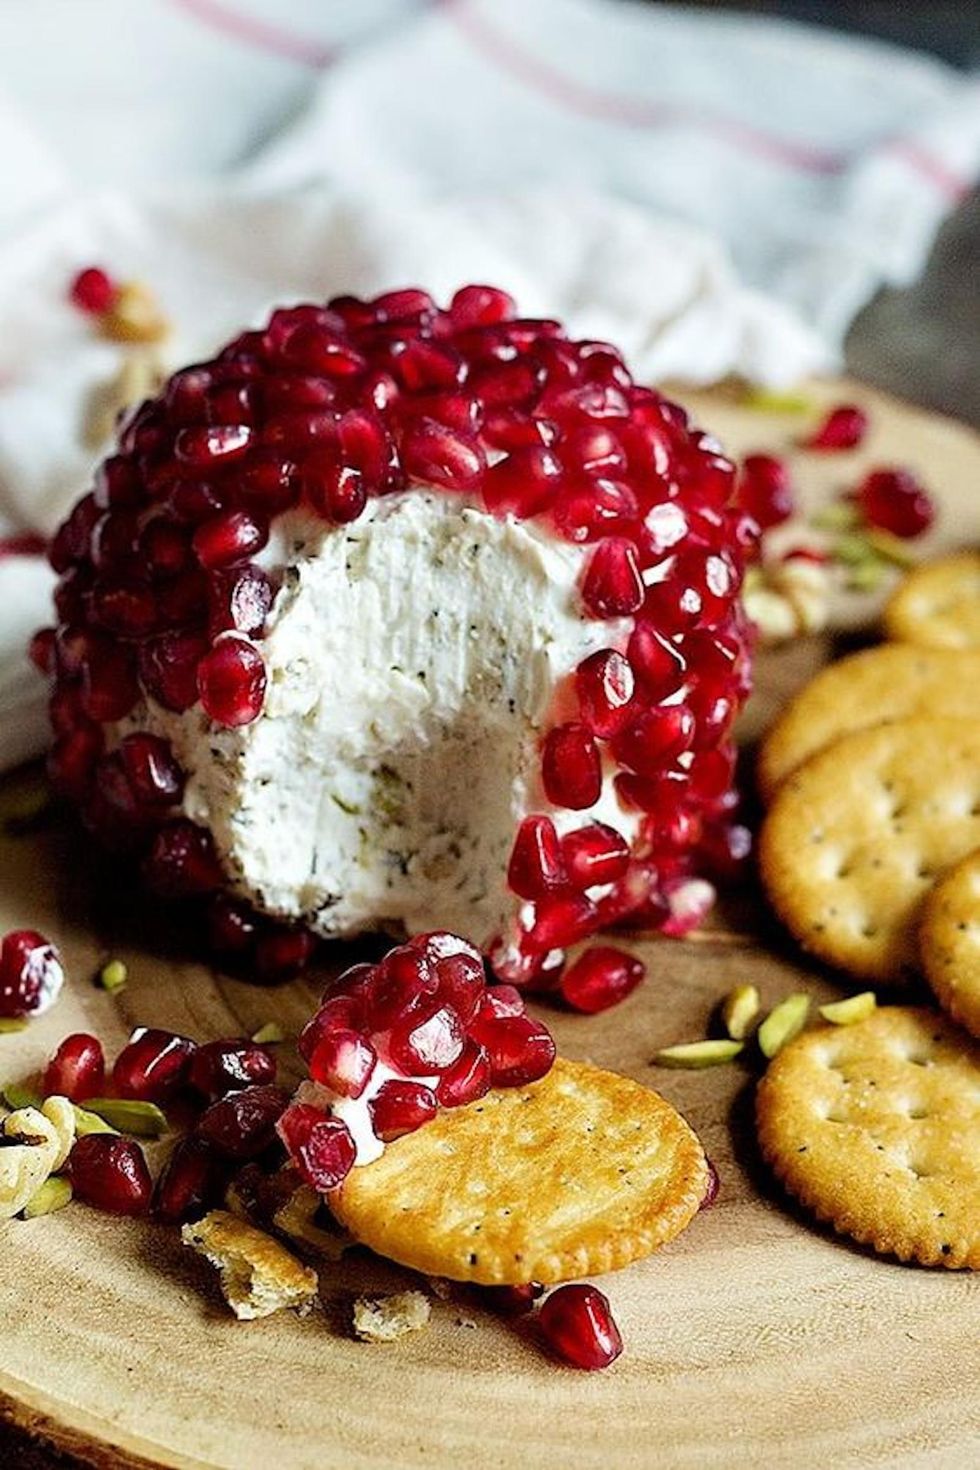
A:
(756, 1339)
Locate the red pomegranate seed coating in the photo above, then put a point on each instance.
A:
(231, 681)
(243, 1124)
(399, 1107)
(600, 978)
(577, 1324)
(343, 1061)
(77, 1069)
(93, 291)
(536, 864)
(467, 1079)
(511, 1301)
(152, 1065)
(713, 1186)
(519, 1050)
(220, 1067)
(765, 490)
(571, 768)
(605, 685)
(613, 585)
(844, 427)
(427, 1041)
(31, 973)
(282, 954)
(501, 1000)
(321, 1147)
(894, 500)
(594, 855)
(192, 1182)
(111, 1174)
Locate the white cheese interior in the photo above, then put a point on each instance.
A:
(414, 658)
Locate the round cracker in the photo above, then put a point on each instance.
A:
(949, 942)
(874, 1128)
(891, 682)
(857, 835)
(580, 1173)
(938, 604)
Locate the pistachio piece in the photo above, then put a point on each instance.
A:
(692, 1054)
(891, 548)
(854, 1008)
(783, 1023)
(269, 1033)
(126, 1115)
(740, 1008)
(86, 1123)
(53, 1195)
(113, 976)
(11, 1024)
(839, 515)
(16, 1095)
(771, 400)
(867, 577)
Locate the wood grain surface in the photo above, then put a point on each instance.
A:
(756, 1339)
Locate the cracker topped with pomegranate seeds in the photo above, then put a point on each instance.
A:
(891, 682)
(583, 1171)
(857, 835)
(874, 1128)
(949, 942)
(938, 604)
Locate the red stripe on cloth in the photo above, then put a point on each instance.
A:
(259, 33)
(638, 112)
(27, 544)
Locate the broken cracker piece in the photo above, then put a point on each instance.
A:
(298, 1218)
(386, 1318)
(258, 1276)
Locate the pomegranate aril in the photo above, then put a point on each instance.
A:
(605, 687)
(894, 500)
(341, 1013)
(518, 1049)
(536, 866)
(71, 760)
(228, 537)
(461, 981)
(111, 1174)
(560, 921)
(843, 427)
(480, 306)
(577, 1324)
(659, 665)
(182, 861)
(317, 349)
(151, 770)
(511, 1301)
(501, 1000)
(219, 444)
(407, 304)
(238, 601)
(320, 1146)
(601, 978)
(595, 508)
(93, 291)
(31, 973)
(231, 682)
(343, 1061)
(436, 455)
(192, 1182)
(270, 482)
(117, 483)
(41, 649)
(523, 484)
(430, 1042)
(398, 1108)
(243, 1124)
(712, 1187)
(613, 586)
(77, 1069)
(168, 669)
(656, 739)
(689, 901)
(109, 686)
(335, 490)
(232, 925)
(152, 1065)
(164, 547)
(571, 769)
(424, 364)
(220, 1067)
(401, 984)
(765, 490)
(282, 954)
(466, 1080)
(594, 855)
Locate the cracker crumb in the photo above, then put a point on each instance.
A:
(258, 1276)
(386, 1318)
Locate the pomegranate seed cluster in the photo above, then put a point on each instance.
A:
(163, 597)
(394, 1042)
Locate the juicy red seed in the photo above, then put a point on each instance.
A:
(536, 866)
(231, 681)
(440, 944)
(518, 1049)
(436, 455)
(765, 489)
(72, 758)
(130, 611)
(230, 536)
(335, 490)
(571, 768)
(422, 365)
(480, 306)
(511, 1301)
(192, 1182)
(613, 586)
(243, 1124)
(467, 1079)
(429, 1043)
(109, 686)
(151, 770)
(523, 484)
(164, 547)
(40, 650)
(343, 1061)
(659, 665)
(220, 444)
(283, 954)
(316, 349)
(594, 854)
(461, 982)
(712, 1187)
(656, 739)
(152, 1065)
(843, 428)
(605, 686)
(220, 1067)
(400, 984)
(77, 1069)
(232, 925)
(501, 1000)
(182, 861)
(577, 1324)
(399, 1107)
(725, 851)
(594, 508)
(238, 601)
(601, 978)
(560, 921)
(321, 1147)
(93, 291)
(168, 669)
(894, 500)
(270, 482)
(341, 1013)
(111, 1174)
(192, 501)
(31, 973)
(403, 305)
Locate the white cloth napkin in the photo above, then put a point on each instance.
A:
(716, 193)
